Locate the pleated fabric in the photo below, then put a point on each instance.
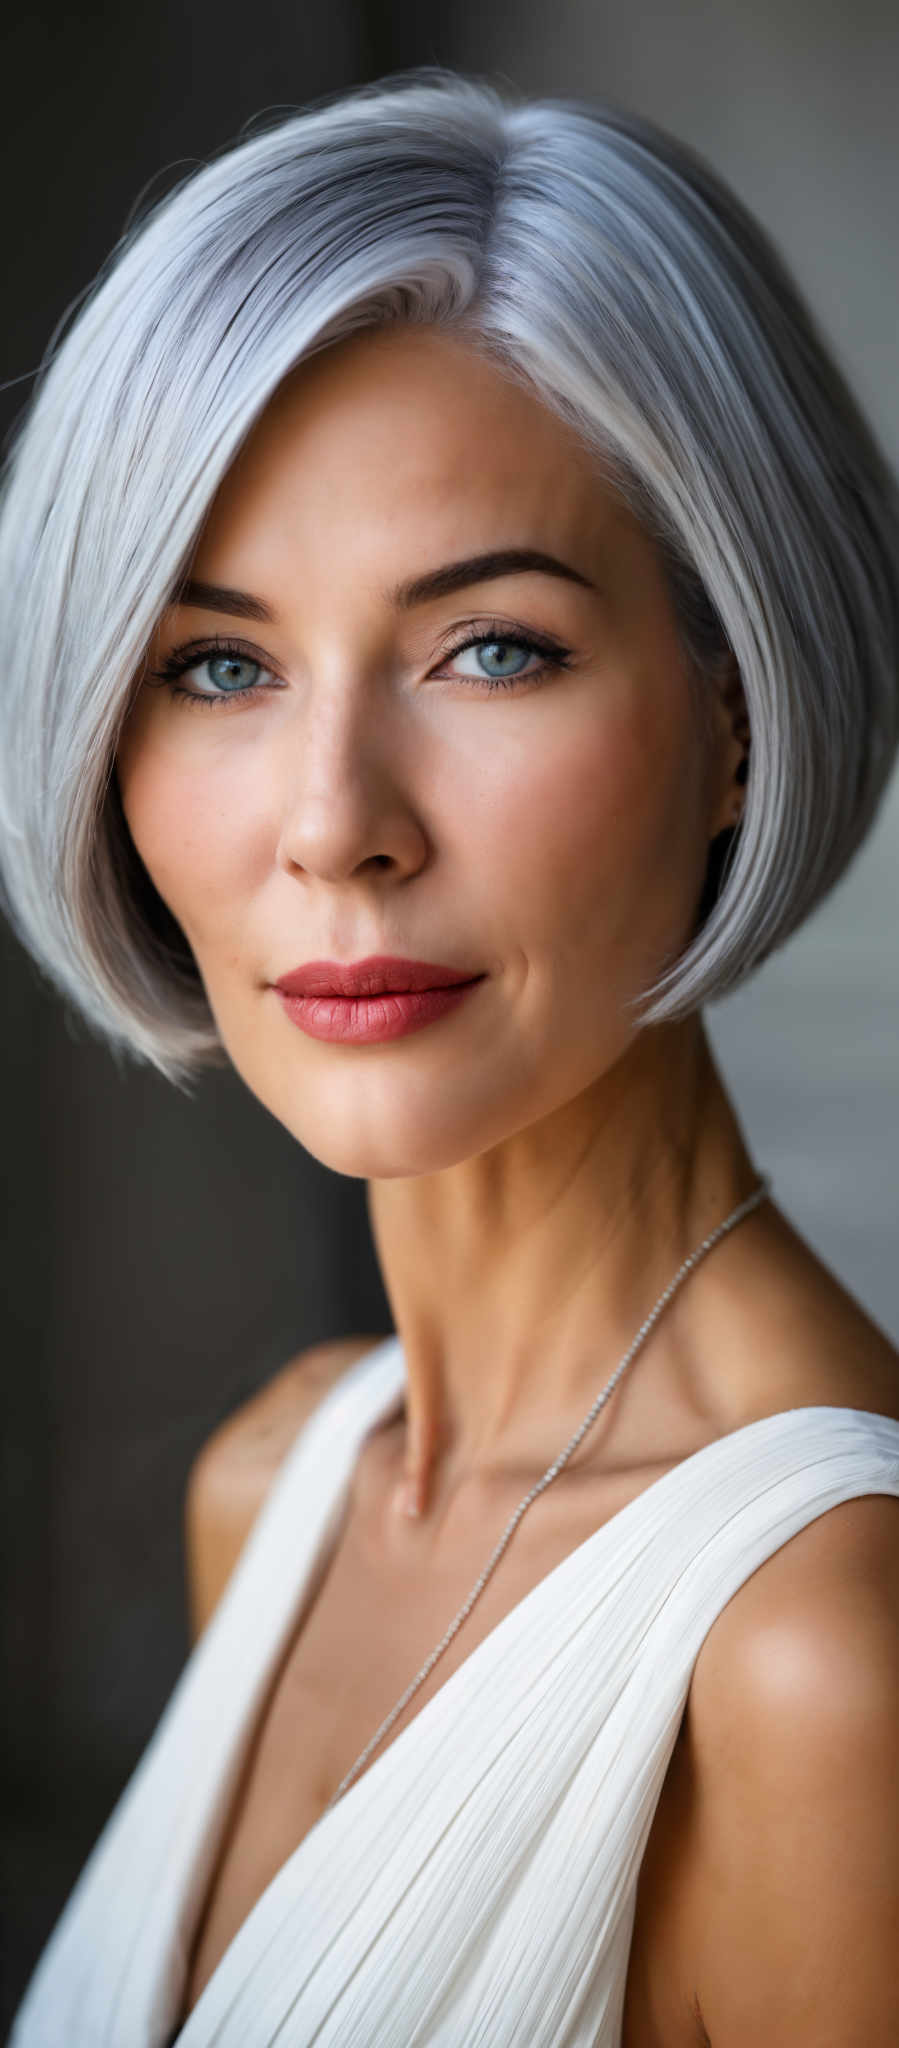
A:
(477, 1884)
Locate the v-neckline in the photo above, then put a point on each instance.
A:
(568, 1566)
(491, 1645)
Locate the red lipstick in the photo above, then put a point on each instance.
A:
(370, 1001)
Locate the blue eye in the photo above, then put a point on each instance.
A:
(507, 652)
(502, 658)
(224, 673)
(227, 671)
(230, 673)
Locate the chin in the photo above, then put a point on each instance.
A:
(374, 1157)
(367, 1130)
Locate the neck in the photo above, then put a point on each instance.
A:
(518, 1278)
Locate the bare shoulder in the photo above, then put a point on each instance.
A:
(779, 1816)
(234, 1468)
(812, 1635)
(790, 1772)
(783, 1330)
(260, 1431)
(811, 1630)
(774, 1853)
(802, 1339)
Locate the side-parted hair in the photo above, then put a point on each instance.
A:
(596, 258)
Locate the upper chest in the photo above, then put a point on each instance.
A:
(364, 1636)
(367, 1633)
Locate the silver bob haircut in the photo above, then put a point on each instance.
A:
(594, 257)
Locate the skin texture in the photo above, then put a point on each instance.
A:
(537, 1166)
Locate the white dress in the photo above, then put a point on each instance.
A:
(476, 1884)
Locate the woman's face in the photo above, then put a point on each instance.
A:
(536, 810)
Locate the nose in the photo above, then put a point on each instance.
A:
(348, 804)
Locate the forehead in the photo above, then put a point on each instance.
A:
(406, 425)
(436, 385)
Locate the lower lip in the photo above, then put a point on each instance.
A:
(372, 1020)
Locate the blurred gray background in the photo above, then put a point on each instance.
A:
(162, 1257)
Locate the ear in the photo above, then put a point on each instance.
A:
(730, 749)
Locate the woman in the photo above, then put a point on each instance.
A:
(444, 561)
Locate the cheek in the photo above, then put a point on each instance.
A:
(604, 825)
(200, 821)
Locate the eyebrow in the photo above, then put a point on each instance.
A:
(216, 597)
(482, 569)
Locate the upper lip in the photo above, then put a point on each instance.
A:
(369, 977)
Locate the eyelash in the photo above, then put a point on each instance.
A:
(181, 659)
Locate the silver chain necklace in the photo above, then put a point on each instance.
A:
(736, 1216)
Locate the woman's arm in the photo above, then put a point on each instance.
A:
(793, 1854)
(234, 1468)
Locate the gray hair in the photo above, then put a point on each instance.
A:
(596, 258)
